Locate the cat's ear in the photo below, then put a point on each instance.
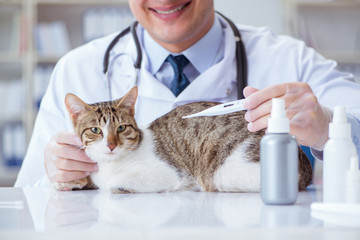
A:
(75, 106)
(129, 100)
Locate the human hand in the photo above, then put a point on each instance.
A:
(309, 121)
(65, 161)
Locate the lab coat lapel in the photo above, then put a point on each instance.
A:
(124, 74)
(151, 87)
(121, 67)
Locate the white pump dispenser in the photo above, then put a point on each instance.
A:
(337, 154)
(353, 182)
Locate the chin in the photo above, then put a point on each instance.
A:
(100, 157)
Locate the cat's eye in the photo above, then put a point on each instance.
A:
(95, 130)
(121, 128)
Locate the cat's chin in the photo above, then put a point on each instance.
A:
(103, 157)
(109, 157)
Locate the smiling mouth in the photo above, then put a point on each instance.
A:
(173, 10)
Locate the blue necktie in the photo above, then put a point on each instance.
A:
(180, 81)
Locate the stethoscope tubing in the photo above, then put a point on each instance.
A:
(241, 61)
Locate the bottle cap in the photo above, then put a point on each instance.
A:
(278, 122)
(339, 127)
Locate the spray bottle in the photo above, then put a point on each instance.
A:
(279, 159)
(338, 151)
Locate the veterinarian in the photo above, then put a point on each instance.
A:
(203, 61)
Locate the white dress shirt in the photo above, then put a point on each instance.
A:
(200, 55)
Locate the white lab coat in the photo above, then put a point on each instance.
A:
(271, 59)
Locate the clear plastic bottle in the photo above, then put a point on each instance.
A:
(337, 154)
(279, 159)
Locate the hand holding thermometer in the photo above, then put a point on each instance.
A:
(220, 109)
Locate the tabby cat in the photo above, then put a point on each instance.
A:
(215, 153)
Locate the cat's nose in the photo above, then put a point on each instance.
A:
(111, 146)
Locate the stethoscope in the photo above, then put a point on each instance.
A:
(241, 61)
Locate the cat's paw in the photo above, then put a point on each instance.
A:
(73, 185)
(119, 190)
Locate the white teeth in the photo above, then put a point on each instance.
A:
(171, 11)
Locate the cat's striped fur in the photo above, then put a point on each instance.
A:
(207, 154)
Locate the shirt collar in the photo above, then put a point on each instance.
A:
(201, 55)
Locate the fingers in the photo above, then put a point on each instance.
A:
(276, 91)
(74, 165)
(308, 119)
(259, 124)
(258, 120)
(293, 103)
(69, 138)
(65, 160)
(256, 98)
(66, 176)
(71, 152)
(259, 112)
(67, 145)
(258, 103)
(249, 90)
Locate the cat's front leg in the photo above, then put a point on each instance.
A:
(73, 185)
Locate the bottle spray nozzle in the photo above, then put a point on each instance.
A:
(339, 115)
(278, 108)
(339, 127)
(278, 122)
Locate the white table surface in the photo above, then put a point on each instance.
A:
(39, 213)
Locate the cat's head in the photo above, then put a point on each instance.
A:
(108, 130)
